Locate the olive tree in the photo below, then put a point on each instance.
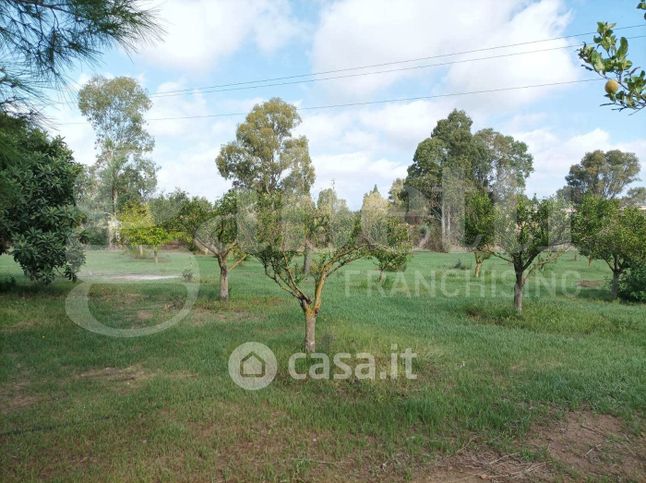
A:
(213, 228)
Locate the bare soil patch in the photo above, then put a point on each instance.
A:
(590, 283)
(128, 378)
(15, 397)
(142, 277)
(582, 446)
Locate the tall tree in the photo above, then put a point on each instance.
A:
(608, 57)
(266, 157)
(453, 161)
(636, 197)
(40, 226)
(40, 39)
(502, 164)
(116, 108)
(440, 166)
(601, 174)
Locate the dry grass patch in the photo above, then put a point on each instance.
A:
(581, 446)
(16, 397)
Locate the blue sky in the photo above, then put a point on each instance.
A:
(211, 42)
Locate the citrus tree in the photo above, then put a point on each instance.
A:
(276, 232)
(529, 233)
(479, 227)
(603, 230)
(608, 56)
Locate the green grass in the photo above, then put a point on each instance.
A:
(167, 409)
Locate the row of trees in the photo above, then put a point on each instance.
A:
(468, 184)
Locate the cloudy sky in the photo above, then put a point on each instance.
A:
(215, 42)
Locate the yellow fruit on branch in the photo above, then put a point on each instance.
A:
(612, 86)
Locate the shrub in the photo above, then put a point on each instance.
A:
(632, 284)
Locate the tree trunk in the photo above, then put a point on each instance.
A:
(518, 292)
(110, 234)
(443, 225)
(224, 281)
(381, 276)
(156, 254)
(478, 267)
(112, 226)
(614, 286)
(307, 259)
(141, 251)
(310, 329)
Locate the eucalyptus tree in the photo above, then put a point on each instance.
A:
(116, 108)
(601, 174)
(266, 157)
(453, 162)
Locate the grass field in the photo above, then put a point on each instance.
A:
(558, 392)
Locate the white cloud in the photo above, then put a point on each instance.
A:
(199, 33)
(361, 32)
(193, 171)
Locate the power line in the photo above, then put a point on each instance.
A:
(383, 64)
(246, 85)
(367, 103)
(362, 74)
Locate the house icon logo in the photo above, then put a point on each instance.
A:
(252, 366)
